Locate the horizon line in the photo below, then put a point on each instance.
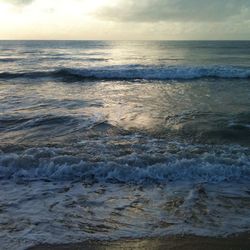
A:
(153, 40)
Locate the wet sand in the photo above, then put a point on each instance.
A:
(239, 242)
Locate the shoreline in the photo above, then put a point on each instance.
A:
(187, 242)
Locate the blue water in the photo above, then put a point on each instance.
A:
(108, 139)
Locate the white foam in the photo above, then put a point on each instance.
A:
(159, 188)
(66, 212)
(222, 164)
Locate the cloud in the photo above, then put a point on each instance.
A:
(18, 2)
(175, 10)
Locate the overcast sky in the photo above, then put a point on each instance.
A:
(125, 19)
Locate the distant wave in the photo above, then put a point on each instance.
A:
(9, 59)
(134, 72)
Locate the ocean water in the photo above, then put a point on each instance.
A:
(107, 139)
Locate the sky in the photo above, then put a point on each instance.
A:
(125, 19)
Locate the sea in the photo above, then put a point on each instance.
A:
(106, 140)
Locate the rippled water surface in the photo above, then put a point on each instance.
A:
(105, 140)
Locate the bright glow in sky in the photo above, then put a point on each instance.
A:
(124, 19)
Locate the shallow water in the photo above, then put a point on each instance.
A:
(104, 140)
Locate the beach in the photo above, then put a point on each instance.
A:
(240, 242)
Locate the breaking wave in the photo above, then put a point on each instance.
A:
(188, 163)
(134, 72)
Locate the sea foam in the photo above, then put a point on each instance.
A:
(184, 164)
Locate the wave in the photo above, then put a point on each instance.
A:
(135, 72)
(9, 59)
(225, 165)
(64, 58)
